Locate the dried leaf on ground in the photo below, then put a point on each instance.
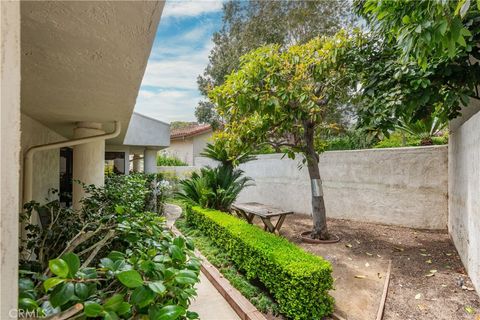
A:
(469, 310)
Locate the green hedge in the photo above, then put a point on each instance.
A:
(299, 281)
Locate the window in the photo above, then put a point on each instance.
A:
(114, 162)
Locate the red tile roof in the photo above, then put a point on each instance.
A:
(189, 131)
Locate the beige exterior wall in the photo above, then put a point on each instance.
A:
(464, 189)
(10, 155)
(400, 186)
(182, 149)
(189, 148)
(46, 170)
(199, 143)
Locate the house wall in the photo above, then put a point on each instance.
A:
(199, 144)
(46, 170)
(182, 149)
(464, 189)
(401, 186)
(10, 156)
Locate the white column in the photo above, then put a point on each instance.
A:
(88, 159)
(136, 162)
(150, 161)
(10, 156)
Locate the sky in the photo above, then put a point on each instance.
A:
(180, 53)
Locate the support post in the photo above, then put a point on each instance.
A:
(88, 160)
(150, 161)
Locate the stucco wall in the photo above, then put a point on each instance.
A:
(181, 149)
(405, 186)
(46, 164)
(464, 190)
(199, 144)
(146, 131)
(10, 155)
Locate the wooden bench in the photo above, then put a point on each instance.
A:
(249, 210)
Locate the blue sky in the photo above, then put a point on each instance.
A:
(180, 53)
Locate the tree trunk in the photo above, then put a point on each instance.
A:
(318, 204)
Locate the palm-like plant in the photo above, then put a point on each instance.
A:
(215, 188)
(423, 129)
(219, 152)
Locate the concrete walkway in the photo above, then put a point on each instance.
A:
(209, 304)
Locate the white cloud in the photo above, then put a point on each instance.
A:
(179, 72)
(179, 9)
(171, 105)
(169, 88)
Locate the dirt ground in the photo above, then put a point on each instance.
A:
(428, 280)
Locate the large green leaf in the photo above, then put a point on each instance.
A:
(186, 277)
(52, 282)
(142, 296)
(92, 309)
(110, 315)
(59, 267)
(73, 262)
(62, 294)
(81, 290)
(123, 308)
(171, 312)
(177, 253)
(157, 287)
(130, 278)
(114, 302)
(27, 304)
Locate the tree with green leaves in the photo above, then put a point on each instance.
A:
(422, 61)
(248, 25)
(182, 124)
(283, 97)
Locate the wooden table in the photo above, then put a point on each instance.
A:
(249, 210)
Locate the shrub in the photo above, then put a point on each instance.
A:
(398, 139)
(298, 281)
(153, 274)
(113, 258)
(170, 161)
(215, 188)
(349, 140)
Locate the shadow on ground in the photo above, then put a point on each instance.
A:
(428, 280)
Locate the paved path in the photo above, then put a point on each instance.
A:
(209, 304)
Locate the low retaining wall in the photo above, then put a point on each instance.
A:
(399, 186)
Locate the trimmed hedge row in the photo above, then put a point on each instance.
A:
(299, 281)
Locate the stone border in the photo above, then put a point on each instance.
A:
(244, 308)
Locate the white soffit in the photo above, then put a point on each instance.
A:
(85, 60)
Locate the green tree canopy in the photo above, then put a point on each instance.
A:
(283, 97)
(420, 63)
(248, 25)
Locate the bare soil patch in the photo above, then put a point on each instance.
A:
(428, 280)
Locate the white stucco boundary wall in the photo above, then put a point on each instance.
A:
(464, 189)
(399, 186)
